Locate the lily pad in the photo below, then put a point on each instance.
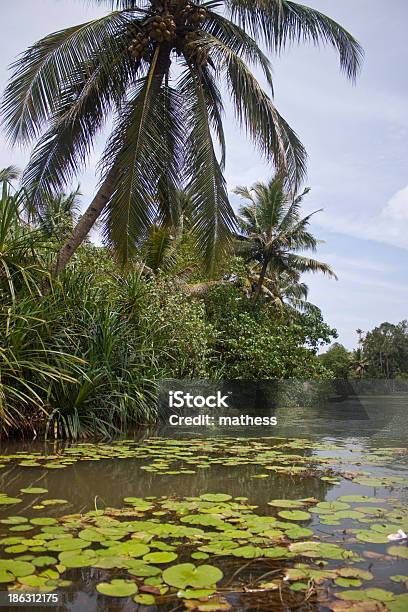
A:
(43, 561)
(215, 497)
(117, 588)
(63, 544)
(348, 582)
(14, 520)
(144, 599)
(366, 594)
(398, 551)
(294, 515)
(43, 521)
(5, 500)
(17, 568)
(199, 556)
(187, 574)
(399, 578)
(247, 552)
(371, 536)
(143, 570)
(160, 557)
(286, 503)
(399, 603)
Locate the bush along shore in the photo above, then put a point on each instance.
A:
(81, 355)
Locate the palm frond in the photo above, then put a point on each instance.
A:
(278, 23)
(215, 109)
(95, 90)
(9, 174)
(273, 202)
(42, 75)
(158, 249)
(137, 151)
(124, 4)
(235, 37)
(256, 112)
(170, 167)
(308, 264)
(214, 218)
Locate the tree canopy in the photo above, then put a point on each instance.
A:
(156, 70)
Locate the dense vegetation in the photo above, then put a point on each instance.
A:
(81, 356)
(382, 353)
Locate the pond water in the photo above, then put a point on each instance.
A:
(295, 517)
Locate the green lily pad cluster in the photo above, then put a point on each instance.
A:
(158, 549)
(171, 547)
(172, 457)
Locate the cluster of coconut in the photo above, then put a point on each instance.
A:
(162, 28)
(182, 29)
(193, 15)
(140, 46)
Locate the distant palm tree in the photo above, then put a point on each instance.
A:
(67, 86)
(58, 214)
(284, 290)
(9, 174)
(274, 234)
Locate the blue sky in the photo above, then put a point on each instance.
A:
(356, 137)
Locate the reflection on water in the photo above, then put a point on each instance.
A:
(87, 485)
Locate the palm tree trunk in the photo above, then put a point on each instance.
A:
(85, 224)
(94, 210)
(261, 279)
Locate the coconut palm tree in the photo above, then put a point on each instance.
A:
(287, 289)
(274, 234)
(58, 213)
(9, 174)
(155, 67)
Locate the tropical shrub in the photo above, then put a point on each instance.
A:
(339, 360)
(256, 342)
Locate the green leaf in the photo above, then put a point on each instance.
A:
(117, 588)
(294, 515)
(187, 574)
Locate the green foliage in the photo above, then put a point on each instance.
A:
(175, 326)
(258, 342)
(162, 95)
(338, 360)
(20, 265)
(385, 351)
(82, 358)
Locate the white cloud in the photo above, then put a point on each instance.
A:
(340, 263)
(397, 206)
(377, 226)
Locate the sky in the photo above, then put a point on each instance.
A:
(356, 137)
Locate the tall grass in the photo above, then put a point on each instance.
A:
(27, 365)
(70, 363)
